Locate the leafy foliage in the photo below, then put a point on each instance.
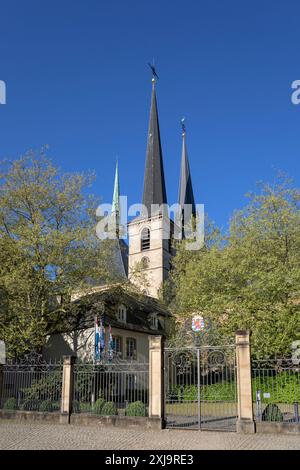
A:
(137, 408)
(98, 406)
(248, 279)
(224, 391)
(10, 404)
(283, 388)
(30, 404)
(47, 387)
(272, 413)
(48, 248)
(109, 409)
(46, 405)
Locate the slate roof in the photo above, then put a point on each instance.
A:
(154, 179)
(106, 300)
(186, 193)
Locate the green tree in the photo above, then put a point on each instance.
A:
(249, 278)
(48, 247)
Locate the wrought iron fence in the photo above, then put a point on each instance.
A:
(111, 388)
(276, 390)
(31, 385)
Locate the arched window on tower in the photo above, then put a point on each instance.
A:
(145, 239)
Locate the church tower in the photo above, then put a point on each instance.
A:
(149, 234)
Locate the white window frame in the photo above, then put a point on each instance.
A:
(122, 313)
(131, 349)
(154, 321)
(117, 338)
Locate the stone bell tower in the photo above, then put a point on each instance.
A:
(149, 234)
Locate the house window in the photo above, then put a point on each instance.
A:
(117, 345)
(131, 348)
(154, 321)
(121, 313)
(145, 239)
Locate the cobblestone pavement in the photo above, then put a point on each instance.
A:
(15, 435)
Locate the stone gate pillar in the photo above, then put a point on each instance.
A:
(1, 384)
(156, 377)
(67, 388)
(245, 422)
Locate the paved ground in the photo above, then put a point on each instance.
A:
(50, 436)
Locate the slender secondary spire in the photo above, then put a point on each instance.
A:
(186, 194)
(115, 208)
(119, 254)
(154, 179)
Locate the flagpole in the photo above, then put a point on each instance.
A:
(94, 352)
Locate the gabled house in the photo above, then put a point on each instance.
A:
(131, 315)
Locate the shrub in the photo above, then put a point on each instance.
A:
(136, 408)
(47, 387)
(85, 407)
(219, 391)
(98, 406)
(84, 383)
(10, 404)
(272, 413)
(56, 405)
(109, 409)
(284, 387)
(75, 406)
(46, 405)
(30, 405)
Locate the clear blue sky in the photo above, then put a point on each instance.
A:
(77, 79)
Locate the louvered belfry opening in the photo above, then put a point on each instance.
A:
(145, 239)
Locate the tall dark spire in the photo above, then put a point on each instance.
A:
(154, 179)
(186, 194)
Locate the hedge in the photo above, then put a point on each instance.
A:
(109, 409)
(283, 388)
(137, 408)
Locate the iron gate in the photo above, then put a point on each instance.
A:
(200, 388)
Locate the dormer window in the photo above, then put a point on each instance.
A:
(145, 239)
(121, 313)
(154, 321)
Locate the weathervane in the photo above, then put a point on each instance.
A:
(154, 74)
(183, 125)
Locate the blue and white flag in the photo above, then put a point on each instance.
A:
(110, 344)
(97, 340)
(101, 338)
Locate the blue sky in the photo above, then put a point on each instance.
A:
(77, 79)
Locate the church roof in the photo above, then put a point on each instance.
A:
(115, 207)
(154, 179)
(186, 194)
(119, 256)
(118, 262)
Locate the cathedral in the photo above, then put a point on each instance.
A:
(130, 315)
(150, 234)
